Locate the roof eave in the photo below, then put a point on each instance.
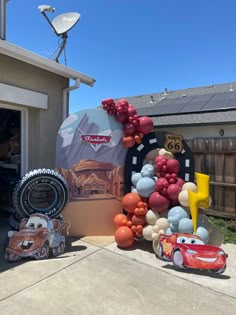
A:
(200, 119)
(31, 58)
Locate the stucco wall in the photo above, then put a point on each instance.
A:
(43, 124)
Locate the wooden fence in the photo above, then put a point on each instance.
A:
(217, 158)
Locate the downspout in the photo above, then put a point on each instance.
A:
(3, 19)
(66, 92)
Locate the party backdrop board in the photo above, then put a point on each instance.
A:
(90, 155)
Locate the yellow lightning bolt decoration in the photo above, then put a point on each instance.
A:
(199, 198)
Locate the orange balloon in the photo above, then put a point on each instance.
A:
(139, 229)
(124, 237)
(129, 224)
(130, 201)
(133, 229)
(120, 220)
(128, 141)
(140, 204)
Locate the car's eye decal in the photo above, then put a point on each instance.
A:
(193, 241)
(182, 240)
(39, 225)
(198, 242)
(31, 225)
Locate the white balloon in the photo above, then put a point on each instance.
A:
(169, 155)
(147, 232)
(161, 224)
(189, 186)
(183, 198)
(151, 217)
(155, 236)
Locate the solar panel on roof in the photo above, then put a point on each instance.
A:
(196, 104)
(174, 105)
(191, 104)
(218, 101)
(232, 102)
(147, 111)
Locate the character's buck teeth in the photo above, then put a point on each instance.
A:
(26, 244)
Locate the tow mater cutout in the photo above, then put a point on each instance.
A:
(189, 251)
(37, 236)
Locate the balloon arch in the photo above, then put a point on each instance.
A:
(160, 194)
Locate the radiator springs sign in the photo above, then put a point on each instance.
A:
(96, 139)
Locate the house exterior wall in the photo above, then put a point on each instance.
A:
(201, 131)
(43, 124)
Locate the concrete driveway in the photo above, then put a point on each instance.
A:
(96, 277)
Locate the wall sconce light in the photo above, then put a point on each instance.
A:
(221, 132)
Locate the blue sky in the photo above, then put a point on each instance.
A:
(134, 47)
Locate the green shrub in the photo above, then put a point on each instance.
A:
(227, 228)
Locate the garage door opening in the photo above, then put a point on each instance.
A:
(10, 154)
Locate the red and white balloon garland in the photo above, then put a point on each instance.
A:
(134, 127)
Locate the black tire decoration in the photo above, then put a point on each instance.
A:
(151, 141)
(14, 222)
(40, 191)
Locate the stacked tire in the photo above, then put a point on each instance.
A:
(39, 191)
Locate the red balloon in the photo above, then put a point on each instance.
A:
(158, 202)
(173, 166)
(108, 101)
(138, 220)
(161, 158)
(124, 237)
(120, 220)
(145, 125)
(173, 191)
(129, 128)
(131, 110)
(161, 163)
(180, 182)
(161, 183)
(122, 102)
(130, 202)
(121, 117)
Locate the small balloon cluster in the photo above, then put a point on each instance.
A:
(168, 184)
(134, 127)
(180, 222)
(130, 225)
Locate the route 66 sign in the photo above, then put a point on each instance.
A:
(174, 143)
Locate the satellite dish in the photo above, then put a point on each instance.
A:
(61, 24)
(65, 22)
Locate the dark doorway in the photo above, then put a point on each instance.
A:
(10, 154)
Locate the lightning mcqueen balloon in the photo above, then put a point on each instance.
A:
(189, 251)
